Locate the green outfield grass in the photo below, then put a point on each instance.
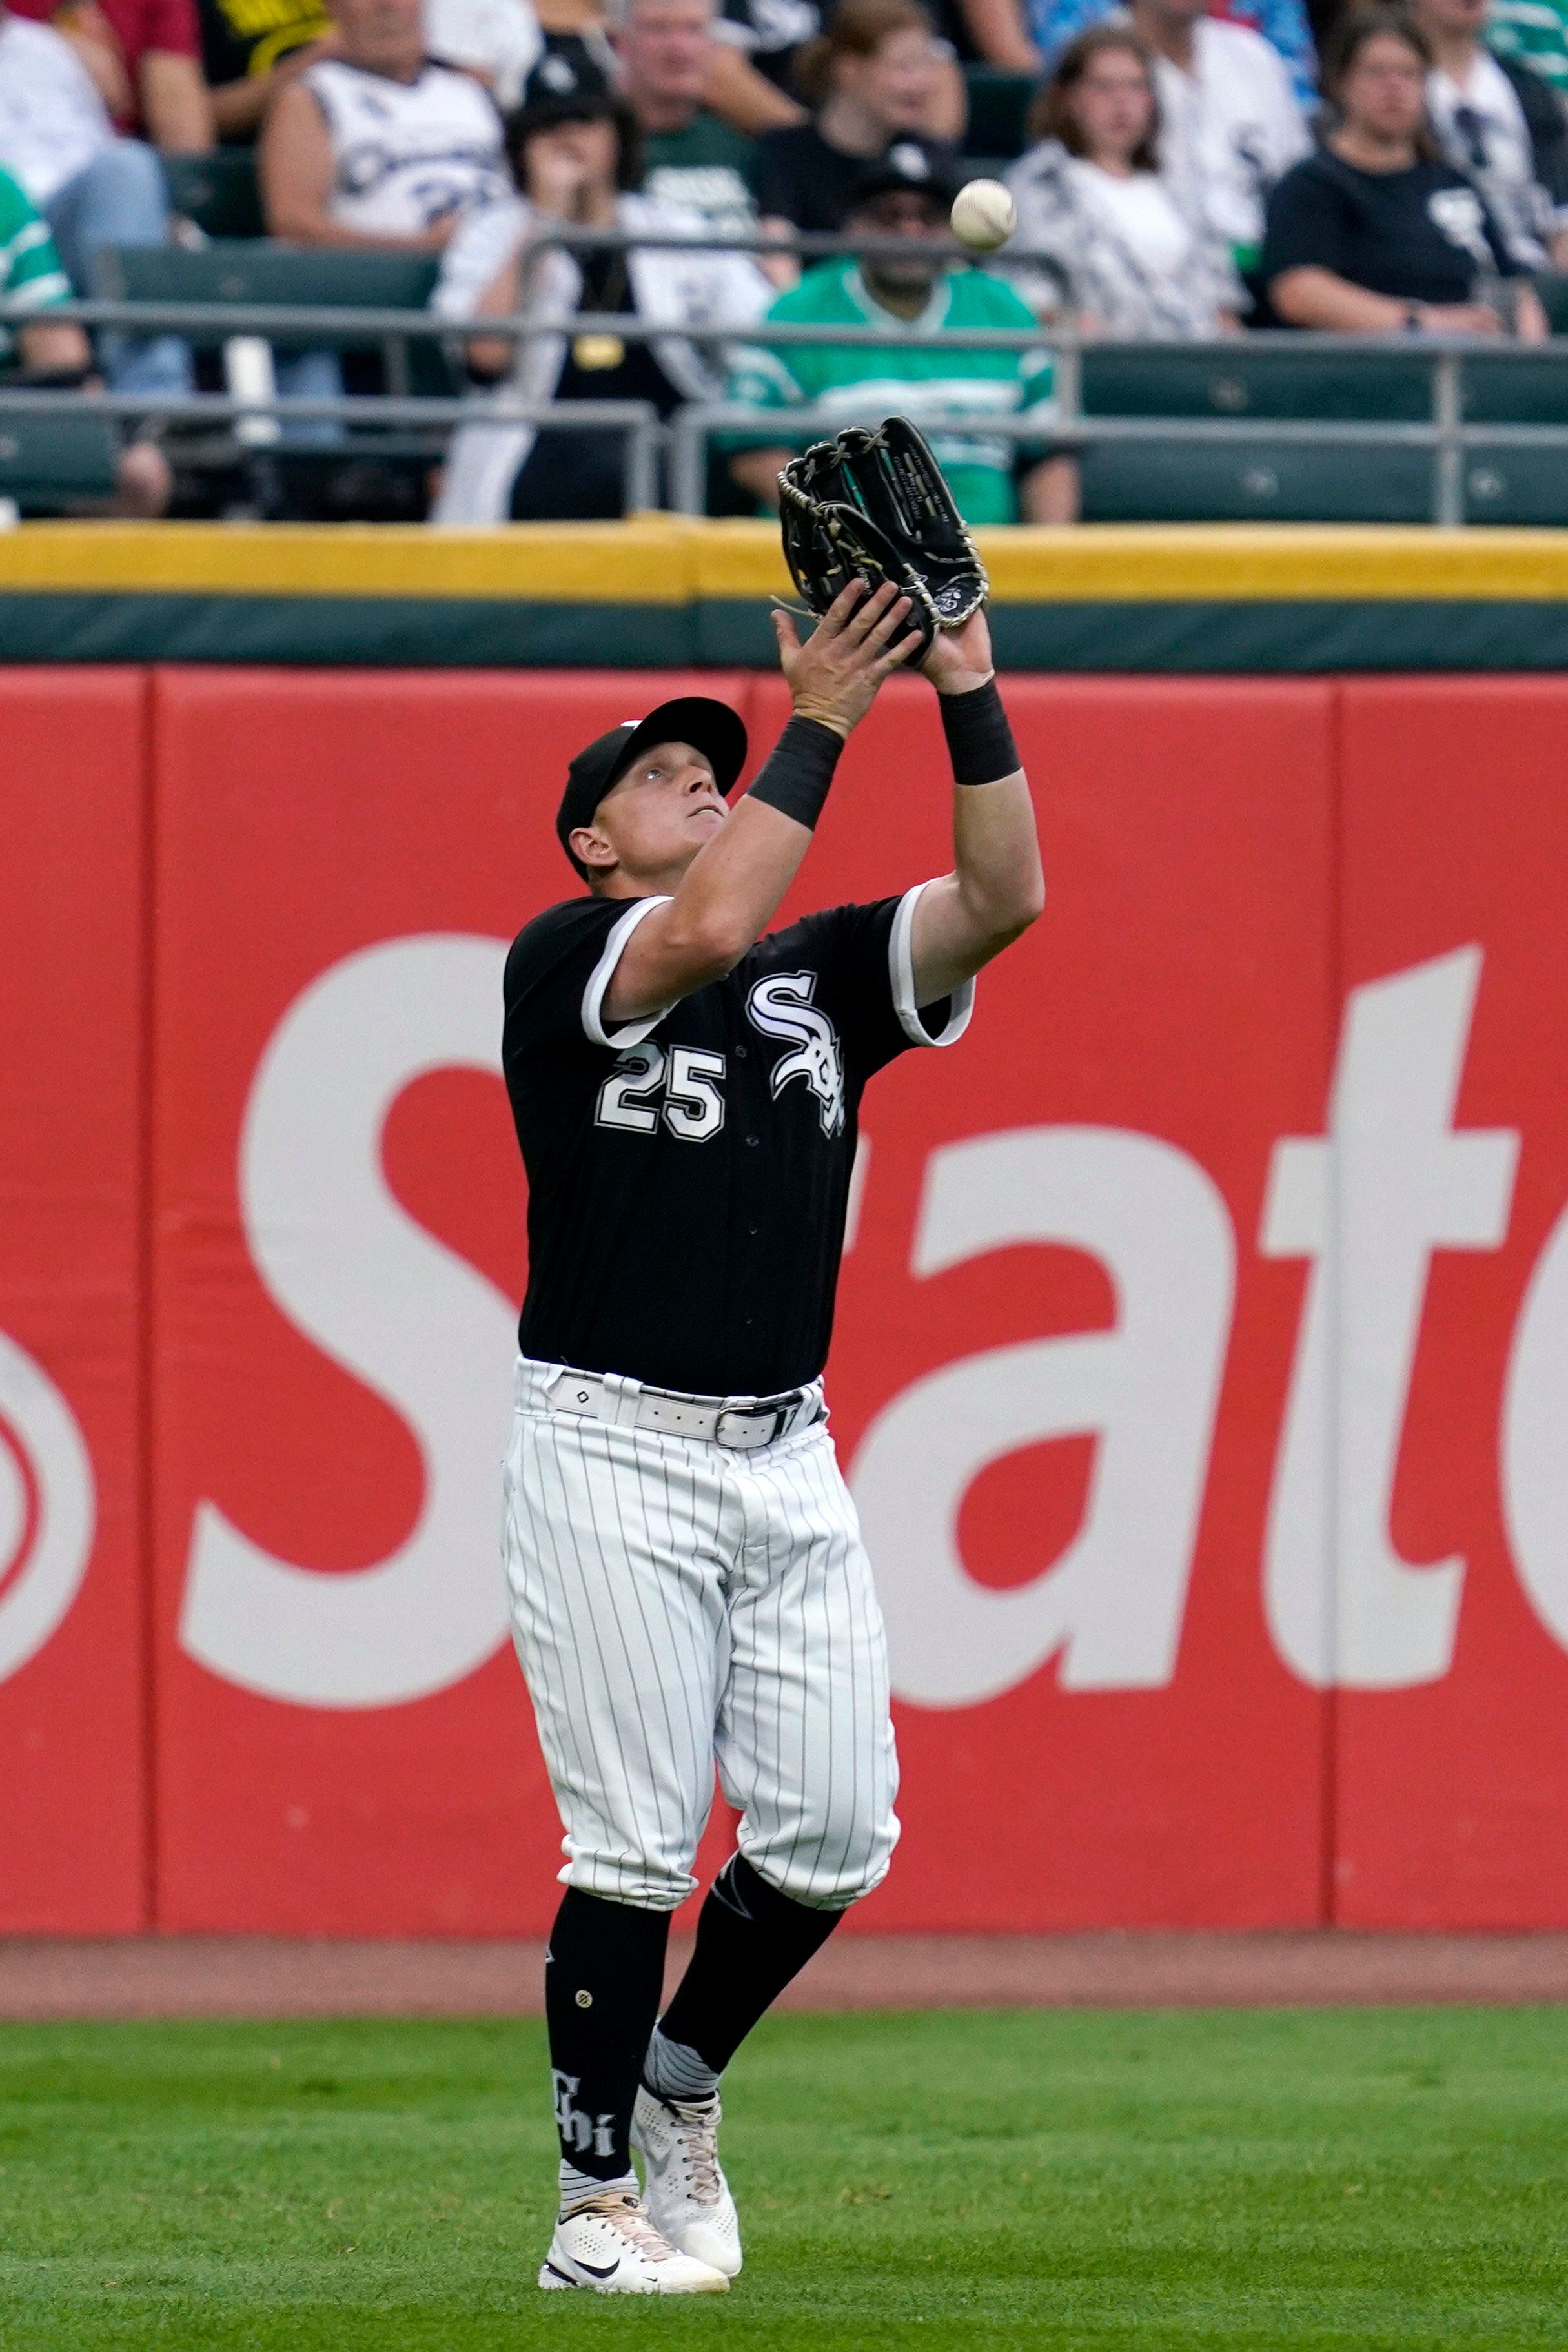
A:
(1366, 2180)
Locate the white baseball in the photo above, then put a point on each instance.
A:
(984, 215)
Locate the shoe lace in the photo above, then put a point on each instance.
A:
(697, 2122)
(624, 2213)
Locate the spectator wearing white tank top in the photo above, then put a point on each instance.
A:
(378, 145)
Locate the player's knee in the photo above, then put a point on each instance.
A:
(648, 1881)
(831, 1871)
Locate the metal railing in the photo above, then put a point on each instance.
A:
(636, 420)
(1448, 433)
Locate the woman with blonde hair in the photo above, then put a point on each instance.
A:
(878, 74)
(1129, 260)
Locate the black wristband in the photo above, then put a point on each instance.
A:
(799, 768)
(978, 736)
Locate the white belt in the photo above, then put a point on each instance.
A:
(743, 1423)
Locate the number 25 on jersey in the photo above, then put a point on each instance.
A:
(689, 1081)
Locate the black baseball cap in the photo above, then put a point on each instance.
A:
(709, 727)
(566, 86)
(917, 165)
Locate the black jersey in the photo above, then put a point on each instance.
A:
(688, 1174)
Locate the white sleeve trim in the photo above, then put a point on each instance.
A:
(901, 969)
(632, 1032)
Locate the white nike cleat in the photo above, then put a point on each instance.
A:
(610, 2245)
(687, 2195)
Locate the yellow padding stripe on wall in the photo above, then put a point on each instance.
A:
(666, 560)
(646, 562)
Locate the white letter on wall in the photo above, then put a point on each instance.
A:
(1535, 1437)
(1392, 1183)
(381, 1296)
(45, 1539)
(1147, 1389)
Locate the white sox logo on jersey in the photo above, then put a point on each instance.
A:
(780, 1007)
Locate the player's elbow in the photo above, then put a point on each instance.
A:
(1004, 912)
(1025, 897)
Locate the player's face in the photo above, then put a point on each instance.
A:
(656, 817)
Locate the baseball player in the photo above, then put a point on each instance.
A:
(687, 1577)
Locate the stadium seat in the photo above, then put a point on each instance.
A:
(262, 271)
(1166, 380)
(1552, 289)
(997, 104)
(217, 191)
(1516, 486)
(1531, 390)
(55, 459)
(257, 270)
(1266, 481)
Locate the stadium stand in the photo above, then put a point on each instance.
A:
(1164, 430)
(1267, 481)
(51, 461)
(997, 104)
(217, 192)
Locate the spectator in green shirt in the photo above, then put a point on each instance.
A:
(54, 352)
(1533, 33)
(949, 394)
(667, 50)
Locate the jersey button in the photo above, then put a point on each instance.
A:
(753, 1230)
(753, 1139)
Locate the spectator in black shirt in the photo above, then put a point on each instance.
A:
(576, 158)
(877, 74)
(248, 54)
(1374, 234)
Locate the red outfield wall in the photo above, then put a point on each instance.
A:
(1202, 1368)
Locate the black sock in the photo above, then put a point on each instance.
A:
(603, 1975)
(752, 1940)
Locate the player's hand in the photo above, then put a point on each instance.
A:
(861, 637)
(960, 659)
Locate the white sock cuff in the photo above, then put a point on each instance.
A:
(578, 2188)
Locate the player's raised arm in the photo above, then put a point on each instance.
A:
(722, 900)
(996, 888)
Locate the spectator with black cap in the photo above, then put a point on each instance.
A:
(877, 74)
(911, 298)
(576, 159)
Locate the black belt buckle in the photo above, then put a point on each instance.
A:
(782, 1408)
(777, 1409)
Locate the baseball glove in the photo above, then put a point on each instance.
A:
(873, 503)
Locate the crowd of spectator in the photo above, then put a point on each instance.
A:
(1187, 171)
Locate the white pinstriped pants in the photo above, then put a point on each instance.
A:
(676, 1603)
